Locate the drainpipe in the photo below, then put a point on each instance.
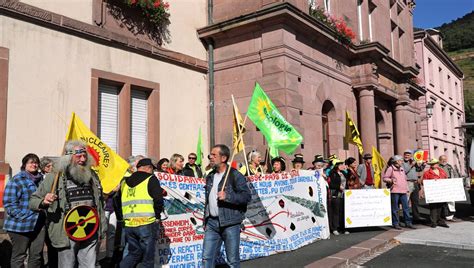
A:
(210, 50)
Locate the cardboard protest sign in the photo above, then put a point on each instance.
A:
(367, 207)
(444, 190)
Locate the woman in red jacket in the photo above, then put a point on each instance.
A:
(435, 173)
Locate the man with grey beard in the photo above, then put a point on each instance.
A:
(77, 185)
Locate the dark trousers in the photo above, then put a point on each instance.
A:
(336, 214)
(21, 243)
(435, 213)
(141, 245)
(415, 202)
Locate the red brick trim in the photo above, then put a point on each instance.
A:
(25, 12)
(127, 82)
(4, 58)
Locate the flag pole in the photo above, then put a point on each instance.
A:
(56, 178)
(240, 137)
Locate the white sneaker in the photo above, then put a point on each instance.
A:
(335, 232)
(346, 232)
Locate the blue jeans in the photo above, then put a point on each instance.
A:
(141, 245)
(396, 199)
(213, 238)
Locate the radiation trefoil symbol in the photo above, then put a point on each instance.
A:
(81, 223)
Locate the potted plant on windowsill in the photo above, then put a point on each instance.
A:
(155, 11)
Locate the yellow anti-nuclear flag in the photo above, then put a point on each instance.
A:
(109, 166)
(378, 163)
(352, 134)
(238, 127)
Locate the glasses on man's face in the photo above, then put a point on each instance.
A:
(192, 158)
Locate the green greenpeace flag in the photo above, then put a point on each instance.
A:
(199, 149)
(279, 134)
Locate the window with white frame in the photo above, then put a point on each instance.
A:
(139, 121)
(108, 114)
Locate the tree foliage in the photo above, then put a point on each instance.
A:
(458, 34)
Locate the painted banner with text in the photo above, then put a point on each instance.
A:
(285, 213)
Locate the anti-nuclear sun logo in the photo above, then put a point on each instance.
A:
(95, 155)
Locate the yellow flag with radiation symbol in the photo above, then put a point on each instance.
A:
(109, 166)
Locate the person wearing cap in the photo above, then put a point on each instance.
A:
(365, 171)
(298, 162)
(396, 178)
(434, 173)
(411, 169)
(353, 181)
(316, 160)
(337, 185)
(141, 199)
(278, 164)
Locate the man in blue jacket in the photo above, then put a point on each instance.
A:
(224, 209)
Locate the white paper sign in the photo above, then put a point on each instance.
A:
(444, 190)
(367, 207)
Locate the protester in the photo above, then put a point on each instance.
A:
(316, 160)
(434, 173)
(224, 209)
(23, 225)
(209, 167)
(162, 165)
(191, 169)
(450, 207)
(254, 158)
(46, 166)
(77, 185)
(396, 179)
(331, 161)
(318, 166)
(365, 171)
(353, 181)
(176, 164)
(411, 170)
(337, 185)
(141, 200)
(298, 162)
(278, 164)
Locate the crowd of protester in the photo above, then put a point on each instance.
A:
(35, 206)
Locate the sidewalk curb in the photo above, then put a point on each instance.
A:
(365, 248)
(434, 243)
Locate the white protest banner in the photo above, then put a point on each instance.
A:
(444, 190)
(284, 214)
(367, 207)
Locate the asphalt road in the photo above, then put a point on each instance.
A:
(423, 256)
(315, 251)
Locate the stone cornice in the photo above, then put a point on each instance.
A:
(289, 14)
(38, 16)
(431, 44)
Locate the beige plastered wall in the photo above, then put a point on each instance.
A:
(186, 17)
(50, 77)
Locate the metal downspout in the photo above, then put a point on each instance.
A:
(212, 127)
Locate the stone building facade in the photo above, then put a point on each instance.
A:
(443, 81)
(87, 57)
(314, 79)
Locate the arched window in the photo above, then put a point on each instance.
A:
(327, 116)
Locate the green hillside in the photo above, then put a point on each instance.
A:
(458, 34)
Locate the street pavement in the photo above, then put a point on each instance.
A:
(407, 255)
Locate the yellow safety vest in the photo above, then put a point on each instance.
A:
(137, 204)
